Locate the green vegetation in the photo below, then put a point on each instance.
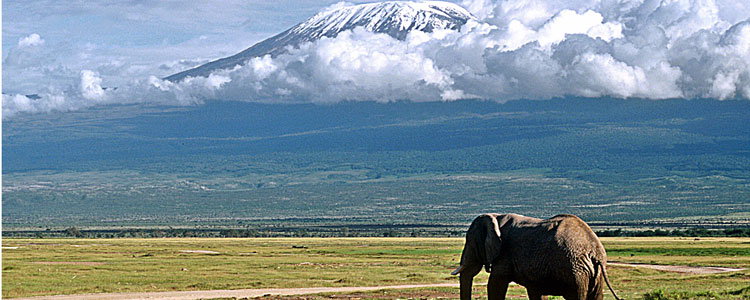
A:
(224, 201)
(651, 168)
(69, 266)
(721, 251)
(728, 252)
(643, 163)
(692, 232)
(304, 229)
(65, 266)
(659, 294)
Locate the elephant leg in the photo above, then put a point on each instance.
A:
(466, 280)
(497, 286)
(597, 292)
(596, 295)
(582, 289)
(583, 293)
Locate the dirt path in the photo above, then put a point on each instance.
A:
(679, 269)
(250, 293)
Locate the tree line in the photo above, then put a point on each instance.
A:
(232, 233)
(337, 232)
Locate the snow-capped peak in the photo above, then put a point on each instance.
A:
(395, 18)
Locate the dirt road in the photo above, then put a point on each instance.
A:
(679, 269)
(250, 293)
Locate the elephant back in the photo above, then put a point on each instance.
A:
(578, 239)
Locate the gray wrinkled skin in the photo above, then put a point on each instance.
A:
(558, 256)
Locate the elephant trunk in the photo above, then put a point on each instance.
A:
(466, 283)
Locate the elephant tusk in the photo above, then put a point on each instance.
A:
(458, 270)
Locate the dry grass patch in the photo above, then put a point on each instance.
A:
(80, 263)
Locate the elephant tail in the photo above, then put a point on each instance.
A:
(606, 279)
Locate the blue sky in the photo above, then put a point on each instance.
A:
(151, 31)
(150, 23)
(69, 52)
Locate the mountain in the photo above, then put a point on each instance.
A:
(358, 163)
(395, 18)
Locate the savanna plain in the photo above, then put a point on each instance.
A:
(34, 267)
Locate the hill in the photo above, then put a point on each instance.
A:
(235, 164)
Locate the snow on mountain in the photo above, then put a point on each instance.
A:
(395, 18)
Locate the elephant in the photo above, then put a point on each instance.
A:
(559, 256)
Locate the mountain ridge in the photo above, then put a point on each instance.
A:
(395, 18)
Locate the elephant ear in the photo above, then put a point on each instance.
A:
(493, 242)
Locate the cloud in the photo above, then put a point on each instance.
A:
(14, 104)
(30, 41)
(89, 92)
(91, 85)
(568, 22)
(519, 49)
(600, 75)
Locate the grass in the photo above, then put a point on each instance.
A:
(727, 252)
(130, 265)
(70, 266)
(660, 294)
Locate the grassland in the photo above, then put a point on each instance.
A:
(354, 164)
(68, 266)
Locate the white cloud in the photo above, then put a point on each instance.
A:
(361, 64)
(569, 22)
(91, 85)
(263, 66)
(31, 40)
(14, 104)
(724, 85)
(521, 49)
(601, 75)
